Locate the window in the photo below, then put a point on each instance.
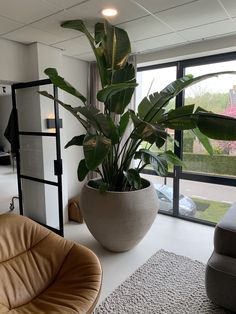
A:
(205, 187)
(151, 81)
(219, 95)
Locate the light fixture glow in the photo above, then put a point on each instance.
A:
(109, 12)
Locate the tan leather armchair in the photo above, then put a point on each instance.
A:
(43, 273)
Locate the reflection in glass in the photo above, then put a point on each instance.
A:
(164, 190)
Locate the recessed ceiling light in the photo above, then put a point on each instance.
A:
(109, 12)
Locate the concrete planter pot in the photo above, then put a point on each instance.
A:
(119, 220)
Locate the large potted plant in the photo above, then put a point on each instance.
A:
(119, 207)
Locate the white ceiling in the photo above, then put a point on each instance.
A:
(151, 24)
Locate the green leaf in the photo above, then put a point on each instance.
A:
(119, 101)
(76, 140)
(72, 110)
(204, 140)
(133, 178)
(96, 148)
(105, 94)
(116, 46)
(181, 111)
(144, 107)
(161, 99)
(172, 158)
(174, 88)
(98, 51)
(100, 122)
(99, 32)
(158, 162)
(96, 118)
(61, 83)
(147, 131)
(75, 24)
(82, 170)
(103, 187)
(216, 126)
(124, 121)
(113, 132)
(98, 184)
(160, 141)
(93, 184)
(179, 119)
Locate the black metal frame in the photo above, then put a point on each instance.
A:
(178, 174)
(57, 162)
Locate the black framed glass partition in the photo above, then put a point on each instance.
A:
(38, 154)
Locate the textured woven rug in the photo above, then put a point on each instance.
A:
(167, 284)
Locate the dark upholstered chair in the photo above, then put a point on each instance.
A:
(221, 267)
(43, 273)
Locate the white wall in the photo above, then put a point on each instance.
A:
(193, 50)
(21, 63)
(5, 110)
(13, 61)
(76, 72)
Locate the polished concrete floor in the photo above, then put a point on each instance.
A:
(8, 188)
(171, 234)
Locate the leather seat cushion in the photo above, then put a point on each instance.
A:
(41, 272)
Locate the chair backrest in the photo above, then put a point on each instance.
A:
(30, 258)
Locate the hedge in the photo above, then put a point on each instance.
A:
(217, 164)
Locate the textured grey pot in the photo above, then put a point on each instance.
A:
(119, 220)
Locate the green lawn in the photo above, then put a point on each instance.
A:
(210, 210)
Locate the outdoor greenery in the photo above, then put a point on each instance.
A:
(218, 101)
(216, 164)
(109, 147)
(210, 210)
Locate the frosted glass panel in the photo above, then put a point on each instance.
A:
(34, 109)
(40, 202)
(37, 156)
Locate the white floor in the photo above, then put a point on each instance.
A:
(8, 188)
(172, 234)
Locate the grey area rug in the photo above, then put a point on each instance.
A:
(167, 284)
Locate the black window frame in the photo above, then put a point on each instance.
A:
(178, 173)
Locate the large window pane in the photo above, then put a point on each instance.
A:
(151, 81)
(164, 190)
(205, 201)
(201, 201)
(216, 94)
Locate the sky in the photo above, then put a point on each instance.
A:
(155, 80)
